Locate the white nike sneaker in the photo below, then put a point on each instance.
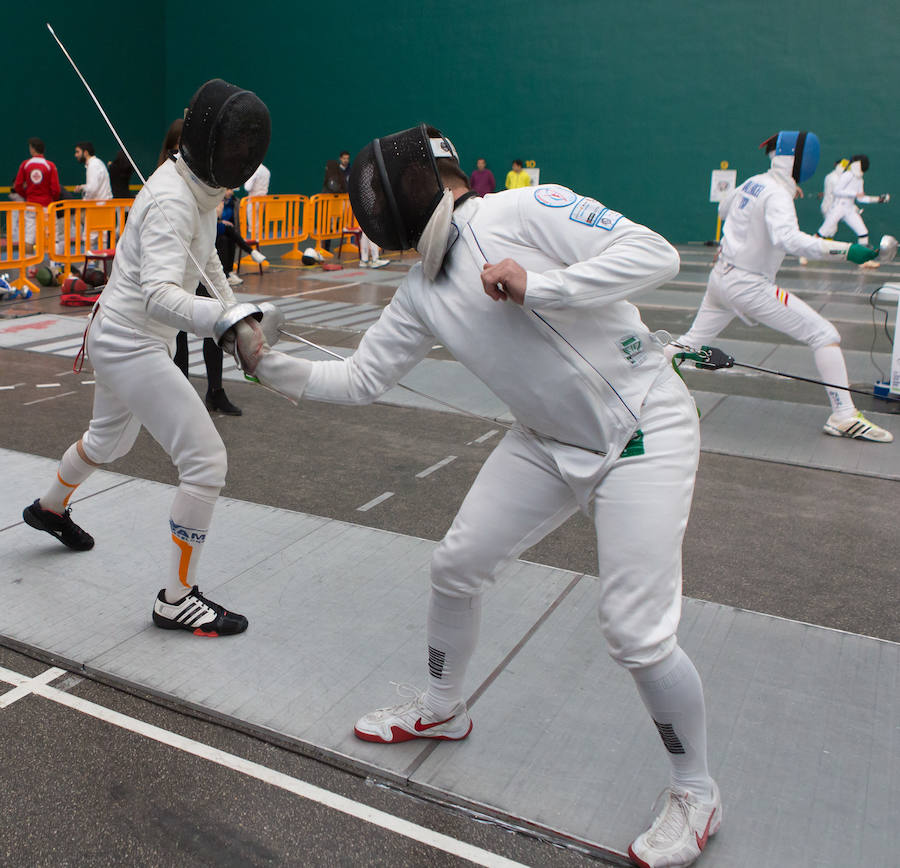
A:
(858, 428)
(412, 720)
(363, 263)
(234, 279)
(257, 256)
(679, 834)
(380, 263)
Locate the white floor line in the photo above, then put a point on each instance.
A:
(380, 499)
(47, 385)
(429, 470)
(483, 437)
(305, 293)
(49, 398)
(25, 686)
(261, 773)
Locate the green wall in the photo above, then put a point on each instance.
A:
(634, 103)
(119, 49)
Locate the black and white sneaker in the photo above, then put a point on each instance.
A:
(59, 525)
(195, 613)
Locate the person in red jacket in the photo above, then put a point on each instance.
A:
(36, 181)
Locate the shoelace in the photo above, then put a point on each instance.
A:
(406, 691)
(670, 823)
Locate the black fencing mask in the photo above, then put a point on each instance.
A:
(226, 134)
(395, 186)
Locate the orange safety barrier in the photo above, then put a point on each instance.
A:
(331, 214)
(78, 228)
(23, 223)
(268, 220)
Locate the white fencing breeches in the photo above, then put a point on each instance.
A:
(754, 298)
(843, 209)
(640, 508)
(137, 384)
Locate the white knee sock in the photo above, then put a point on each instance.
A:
(453, 625)
(672, 693)
(189, 522)
(73, 470)
(833, 369)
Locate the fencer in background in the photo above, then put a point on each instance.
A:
(528, 289)
(848, 190)
(760, 227)
(148, 299)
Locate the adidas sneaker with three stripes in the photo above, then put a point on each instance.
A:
(195, 613)
(858, 428)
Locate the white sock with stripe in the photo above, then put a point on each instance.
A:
(833, 369)
(73, 470)
(673, 694)
(189, 523)
(453, 625)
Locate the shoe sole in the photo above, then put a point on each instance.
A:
(168, 624)
(836, 432)
(401, 735)
(34, 521)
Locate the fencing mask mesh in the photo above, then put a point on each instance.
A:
(226, 134)
(395, 185)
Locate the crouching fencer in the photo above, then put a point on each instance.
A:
(760, 227)
(131, 337)
(529, 290)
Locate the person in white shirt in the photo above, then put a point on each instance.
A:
(256, 185)
(760, 228)
(131, 336)
(828, 185)
(530, 290)
(96, 184)
(848, 190)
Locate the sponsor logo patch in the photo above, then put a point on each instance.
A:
(587, 211)
(554, 197)
(633, 349)
(187, 534)
(608, 219)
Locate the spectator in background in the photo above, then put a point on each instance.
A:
(335, 181)
(170, 142)
(36, 181)
(228, 238)
(370, 253)
(482, 179)
(517, 176)
(256, 185)
(344, 166)
(120, 173)
(96, 183)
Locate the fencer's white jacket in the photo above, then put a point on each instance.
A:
(573, 364)
(152, 283)
(761, 226)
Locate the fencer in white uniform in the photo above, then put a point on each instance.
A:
(760, 227)
(530, 289)
(848, 190)
(131, 337)
(828, 185)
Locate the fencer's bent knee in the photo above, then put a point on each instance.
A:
(457, 572)
(206, 464)
(824, 336)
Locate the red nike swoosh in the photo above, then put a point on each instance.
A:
(701, 842)
(421, 727)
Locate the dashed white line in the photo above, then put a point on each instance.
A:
(6, 388)
(303, 294)
(48, 398)
(380, 499)
(87, 382)
(483, 437)
(429, 470)
(47, 385)
(254, 770)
